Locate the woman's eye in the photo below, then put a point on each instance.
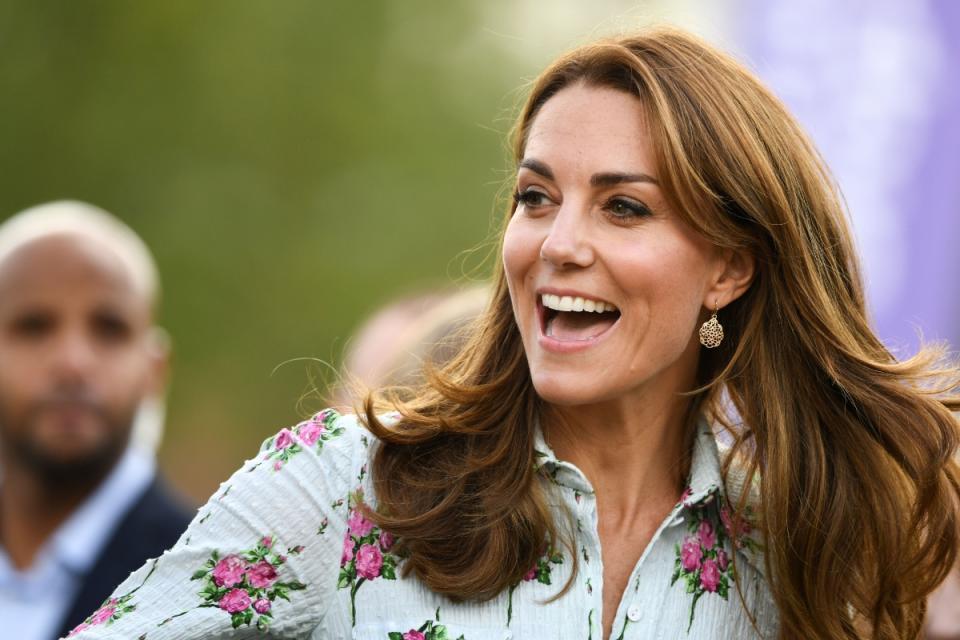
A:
(530, 198)
(626, 208)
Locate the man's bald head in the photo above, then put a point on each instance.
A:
(74, 218)
(78, 349)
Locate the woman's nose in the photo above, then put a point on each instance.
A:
(567, 243)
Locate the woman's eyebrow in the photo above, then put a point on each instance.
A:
(537, 167)
(605, 179)
(608, 179)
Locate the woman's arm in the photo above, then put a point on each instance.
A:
(261, 557)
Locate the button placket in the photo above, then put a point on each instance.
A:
(589, 546)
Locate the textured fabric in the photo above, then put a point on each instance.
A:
(280, 550)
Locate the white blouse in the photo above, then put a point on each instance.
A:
(280, 550)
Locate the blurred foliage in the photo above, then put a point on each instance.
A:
(291, 164)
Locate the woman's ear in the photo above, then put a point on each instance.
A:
(734, 276)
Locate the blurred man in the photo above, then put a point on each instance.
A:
(79, 357)
(392, 346)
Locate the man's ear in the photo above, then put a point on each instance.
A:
(159, 353)
(734, 276)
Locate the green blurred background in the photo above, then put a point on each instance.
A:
(292, 164)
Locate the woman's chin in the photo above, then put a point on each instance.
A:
(570, 392)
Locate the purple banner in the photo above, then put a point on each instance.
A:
(876, 84)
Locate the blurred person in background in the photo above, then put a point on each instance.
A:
(81, 360)
(675, 261)
(943, 615)
(392, 347)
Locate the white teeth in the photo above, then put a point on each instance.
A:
(571, 303)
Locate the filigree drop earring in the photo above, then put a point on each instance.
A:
(711, 332)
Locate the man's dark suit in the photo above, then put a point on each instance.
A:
(151, 526)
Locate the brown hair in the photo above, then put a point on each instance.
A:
(852, 449)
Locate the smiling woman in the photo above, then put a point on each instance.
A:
(675, 263)
(658, 181)
(595, 225)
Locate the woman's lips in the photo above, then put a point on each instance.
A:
(567, 331)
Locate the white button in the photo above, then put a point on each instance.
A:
(634, 613)
(507, 635)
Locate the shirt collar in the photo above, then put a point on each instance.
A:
(704, 481)
(559, 472)
(78, 541)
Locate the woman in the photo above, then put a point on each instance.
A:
(675, 259)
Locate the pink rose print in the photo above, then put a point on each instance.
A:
(429, 630)
(726, 519)
(83, 626)
(690, 554)
(262, 575)
(235, 601)
(686, 495)
(310, 434)
(229, 571)
(310, 431)
(112, 609)
(359, 525)
(369, 561)
(707, 537)
(710, 575)
(284, 439)
(104, 613)
(703, 564)
(348, 547)
(366, 551)
(245, 584)
(541, 571)
(739, 532)
(386, 540)
(723, 561)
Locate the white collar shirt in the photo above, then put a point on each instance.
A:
(282, 547)
(34, 601)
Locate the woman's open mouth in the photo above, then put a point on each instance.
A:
(574, 318)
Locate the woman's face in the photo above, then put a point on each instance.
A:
(607, 283)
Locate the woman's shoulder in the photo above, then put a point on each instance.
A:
(263, 553)
(330, 439)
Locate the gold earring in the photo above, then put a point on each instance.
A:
(711, 333)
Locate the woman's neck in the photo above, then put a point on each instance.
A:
(633, 451)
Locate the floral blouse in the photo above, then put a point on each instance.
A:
(282, 551)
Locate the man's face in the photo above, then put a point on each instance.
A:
(77, 355)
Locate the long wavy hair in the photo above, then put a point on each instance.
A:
(851, 449)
